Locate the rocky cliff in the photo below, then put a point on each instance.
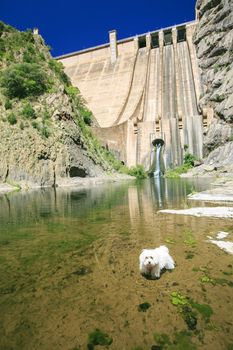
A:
(44, 133)
(214, 45)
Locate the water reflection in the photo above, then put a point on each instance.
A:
(148, 196)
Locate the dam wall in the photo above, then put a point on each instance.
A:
(142, 88)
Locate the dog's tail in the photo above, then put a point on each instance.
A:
(164, 248)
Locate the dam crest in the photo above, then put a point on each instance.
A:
(143, 88)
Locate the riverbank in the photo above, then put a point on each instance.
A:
(75, 182)
(221, 192)
(5, 188)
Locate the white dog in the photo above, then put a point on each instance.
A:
(152, 261)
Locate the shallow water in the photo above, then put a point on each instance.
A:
(69, 266)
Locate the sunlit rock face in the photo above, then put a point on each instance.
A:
(214, 45)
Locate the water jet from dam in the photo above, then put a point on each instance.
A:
(157, 168)
(140, 89)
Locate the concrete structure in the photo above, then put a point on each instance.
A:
(142, 88)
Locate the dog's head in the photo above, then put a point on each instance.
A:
(148, 258)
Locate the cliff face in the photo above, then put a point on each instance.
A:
(214, 45)
(44, 136)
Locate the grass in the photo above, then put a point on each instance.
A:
(175, 173)
(188, 164)
(8, 104)
(12, 119)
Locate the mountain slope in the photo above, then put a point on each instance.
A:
(44, 124)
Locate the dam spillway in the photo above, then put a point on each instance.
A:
(140, 89)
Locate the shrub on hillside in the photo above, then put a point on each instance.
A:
(58, 69)
(87, 116)
(28, 112)
(12, 119)
(72, 91)
(45, 131)
(24, 79)
(8, 104)
(2, 47)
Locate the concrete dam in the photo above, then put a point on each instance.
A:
(141, 89)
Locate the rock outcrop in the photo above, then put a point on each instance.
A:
(44, 138)
(31, 160)
(214, 46)
(218, 163)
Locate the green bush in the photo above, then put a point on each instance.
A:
(2, 27)
(8, 104)
(138, 171)
(18, 40)
(189, 159)
(2, 47)
(45, 131)
(72, 91)
(87, 117)
(28, 57)
(24, 79)
(12, 119)
(174, 173)
(28, 112)
(58, 69)
(46, 114)
(35, 125)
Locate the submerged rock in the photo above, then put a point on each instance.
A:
(218, 212)
(226, 246)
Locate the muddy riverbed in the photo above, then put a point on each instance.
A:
(69, 275)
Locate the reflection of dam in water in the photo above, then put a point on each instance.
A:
(142, 88)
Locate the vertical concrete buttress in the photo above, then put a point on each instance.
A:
(113, 45)
(178, 102)
(135, 40)
(160, 94)
(148, 41)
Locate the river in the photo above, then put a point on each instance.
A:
(69, 276)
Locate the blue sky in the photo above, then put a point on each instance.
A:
(73, 25)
